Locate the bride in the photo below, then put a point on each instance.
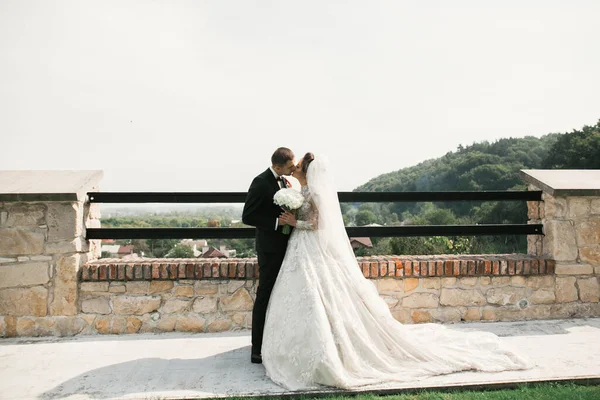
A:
(326, 324)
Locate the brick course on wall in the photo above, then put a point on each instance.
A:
(371, 267)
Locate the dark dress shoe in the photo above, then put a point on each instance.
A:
(256, 358)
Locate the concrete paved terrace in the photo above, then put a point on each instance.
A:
(184, 366)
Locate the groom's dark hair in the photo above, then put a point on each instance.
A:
(281, 156)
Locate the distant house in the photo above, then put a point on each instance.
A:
(360, 242)
(212, 252)
(111, 249)
(125, 250)
(197, 246)
(228, 253)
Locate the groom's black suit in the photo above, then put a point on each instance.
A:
(261, 212)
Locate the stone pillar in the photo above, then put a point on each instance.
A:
(43, 217)
(570, 213)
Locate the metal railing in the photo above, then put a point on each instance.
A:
(344, 197)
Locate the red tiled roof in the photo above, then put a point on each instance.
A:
(126, 249)
(213, 253)
(365, 241)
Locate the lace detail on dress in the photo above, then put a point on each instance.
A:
(307, 214)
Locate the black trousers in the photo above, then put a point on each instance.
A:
(269, 266)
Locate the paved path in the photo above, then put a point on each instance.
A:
(180, 366)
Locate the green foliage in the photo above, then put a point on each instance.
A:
(538, 391)
(480, 166)
(160, 247)
(576, 150)
(180, 251)
(365, 217)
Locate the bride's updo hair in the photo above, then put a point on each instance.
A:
(306, 160)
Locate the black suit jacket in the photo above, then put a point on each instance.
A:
(261, 212)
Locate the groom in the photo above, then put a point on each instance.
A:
(271, 243)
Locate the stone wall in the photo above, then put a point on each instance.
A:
(572, 232)
(52, 285)
(188, 295)
(42, 248)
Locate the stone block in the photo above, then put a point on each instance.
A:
(578, 207)
(160, 287)
(390, 285)
(402, 315)
(137, 287)
(135, 305)
(65, 221)
(537, 282)
(77, 245)
(461, 297)
(554, 207)
(489, 315)
(173, 306)
(472, 314)
(518, 281)
(565, 289)
(590, 255)
(205, 305)
(24, 302)
(419, 317)
(471, 281)
(219, 325)
(102, 324)
(239, 301)
(559, 242)
(485, 280)
(589, 290)
(26, 327)
(185, 291)
(588, 232)
(595, 206)
(25, 274)
(446, 314)
(89, 287)
(96, 305)
(64, 301)
(233, 286)
(573, 269)
(447, 282)
(118, 325)
(240, 319)
(25, 215)
(421, 300)
(430, 283)
(505, 295)
(390, 301)
(15, 242)
(190, 324)
(133, 325)
(542, 296)
(117, 287)
(410, 284)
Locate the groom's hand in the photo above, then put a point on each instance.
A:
(287, 218)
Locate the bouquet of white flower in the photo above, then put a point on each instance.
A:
(288, 199)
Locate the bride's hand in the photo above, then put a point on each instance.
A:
(287, 218)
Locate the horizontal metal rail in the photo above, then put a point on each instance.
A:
(345, 197)
(362, 231)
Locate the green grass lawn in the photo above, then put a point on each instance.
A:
(546, 391)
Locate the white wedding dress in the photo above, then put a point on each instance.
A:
(327, 326)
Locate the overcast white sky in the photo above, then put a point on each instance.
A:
(196, 95)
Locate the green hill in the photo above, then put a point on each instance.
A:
(480, 166)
